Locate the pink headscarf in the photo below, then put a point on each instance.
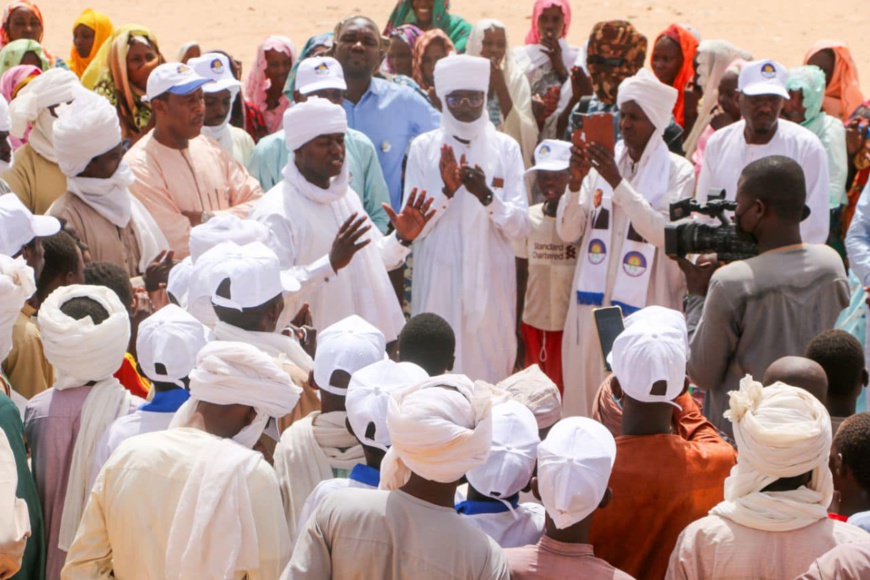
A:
(258, 83)
(534, 35)
(15, 75)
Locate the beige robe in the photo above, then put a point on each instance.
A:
(35, 180)
(26, 367)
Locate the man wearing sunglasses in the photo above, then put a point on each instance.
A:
(464, 267)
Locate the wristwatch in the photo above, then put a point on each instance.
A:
(406, 243)
(487, 199)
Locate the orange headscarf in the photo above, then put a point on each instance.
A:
(102, 27)
(12, 7)
(843, 94)
(689, 47)
(427, 38)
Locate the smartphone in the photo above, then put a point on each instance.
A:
(599, 129)
(608, 321)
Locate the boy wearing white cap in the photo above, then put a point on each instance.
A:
(182, 177)
(323, 77)
(218, 98)
(494, 487)
(762, 133)
(545, 266)
(690, 460)
(464, 264)
(574, 464)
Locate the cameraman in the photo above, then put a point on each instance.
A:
(769, 306)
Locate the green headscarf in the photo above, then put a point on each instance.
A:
(810, 81)
(13, 52)
(456, 28)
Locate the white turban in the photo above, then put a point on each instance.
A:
(80, 350)
(16, 286)
(574, 465)
(781, 431)
(171, 338)
(440, 429)
(225, 228)
(5, 120)
(462, 73)
(52, 87)
(84, 352)
(538, 392)
(236, 373)
(84, 129)
(655, 98)
(313, 118)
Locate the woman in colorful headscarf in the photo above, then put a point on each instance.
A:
(843, 92)
(23, 52)
(400, 54)
(727, 111)
(90, 32)
(431, 47)
(265, 86)
(509, 100)
(21, 19)
(673, 62)
(123, 67)
(189, 50)
(12, 81)
(806, 89)
(428, 15)
(317, 45)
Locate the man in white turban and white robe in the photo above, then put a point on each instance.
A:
(622, 261)
(440, 429)
(774, 520)
(85, 331)
(314, 207)
(211, 503)
(464, 265)
(114, 225)
(35, 176)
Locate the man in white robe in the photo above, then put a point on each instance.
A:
(464, 267)
(623, 262)
(212, 505)
(314, 210)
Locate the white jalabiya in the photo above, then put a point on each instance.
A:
(440, 430)
(84, 352)
(781, 431)
(16, 286)
(15, 523)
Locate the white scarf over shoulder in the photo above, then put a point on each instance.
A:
(16, 286)
(83, 352)
(781, 431)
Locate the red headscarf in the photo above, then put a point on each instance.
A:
(13, 6)
(689, 47)
(427, 38)
(534, 35)
(843, 94)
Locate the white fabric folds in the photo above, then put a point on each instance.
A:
(313, 118)
(16, 286)
(84, 129)
(30, 107)
(655, 98)
(462, 73)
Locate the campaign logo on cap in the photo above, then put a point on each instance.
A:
(182, 69)
(217, 67)
(552, 155)
(768, 71)
(321, 69)
(544, 152)
(319, 73)
(763, 77)
(634, 264)
(597, 252)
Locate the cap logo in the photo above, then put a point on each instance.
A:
(321, 69)
(544, 151)
(768, 71)
(634, 264)
(182, 69)
(217, 67)
(597, 252)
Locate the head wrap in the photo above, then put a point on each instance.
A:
(533, 36)
(714, 57)
(84, 129)
(368, 397)
(236, 373)
(16, 286)
(511, 461)
(619, 41)
(11, 81)
(258, 83)
(455, 27)
(462, 73)
(843, 93)
(102, 27)
(225, 228)
(15, 525)
(51, 88)
(326, 40)
(12, 7)
(574, 465)
(185, 48)
(434, 36)
(654, 97)
(348, 345)
(178, 283)
(781, 431)
(538, 392)
(171, 338)
(407, 33)
(810, 81)
(688, 44)
(441, 429)
(5, 121)
(313, 118)
(14, 52)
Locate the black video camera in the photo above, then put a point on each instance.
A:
(685, 236)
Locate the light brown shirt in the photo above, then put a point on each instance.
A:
(35, 180)
(550, 559)
(26, 367)
(846, 562)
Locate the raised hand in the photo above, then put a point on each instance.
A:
(474, 180)
(157, 272)
(579, 167)
(449, 171)
(413, 217)
(553, 50)
(345, 245)
(604, 163)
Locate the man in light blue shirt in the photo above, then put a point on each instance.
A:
(322, 77)
(391, 115)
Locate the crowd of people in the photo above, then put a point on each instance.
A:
(342, 318)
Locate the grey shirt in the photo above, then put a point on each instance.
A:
(759, 310)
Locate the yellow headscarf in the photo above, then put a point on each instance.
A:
(102, 27)
(100, 59)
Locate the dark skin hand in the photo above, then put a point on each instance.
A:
(302, 328)
(855, 131)
(157, 272)
(413, 218)
(604, 163)
(543, 107)
(474, 180)
(345, 245)
(698, 275)
(579, 168)
(449, 171)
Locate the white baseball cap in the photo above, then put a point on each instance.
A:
(319, 73)
(255, 276)
(763, 77)
(215, 67)
(552, 155)
(512, 457)
(574, 465)
(174, 78)
(348, 345)
(18, 226)
(369, 393)
(170, 338)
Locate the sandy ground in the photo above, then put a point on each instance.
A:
(770, 29)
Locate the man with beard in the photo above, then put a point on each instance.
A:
(769, 306)
(762, 133)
